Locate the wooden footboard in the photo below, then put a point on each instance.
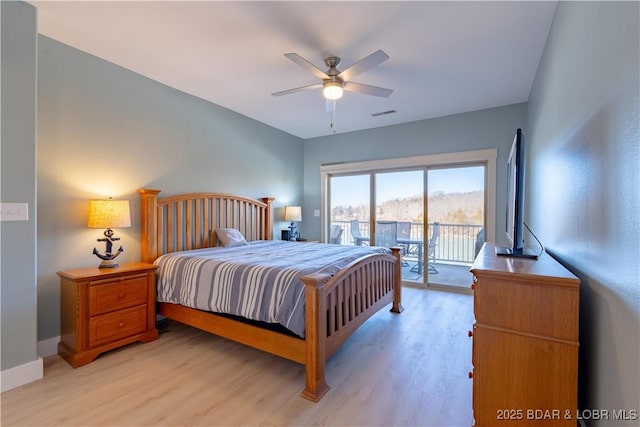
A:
(335, 306)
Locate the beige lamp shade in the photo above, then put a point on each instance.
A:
(292, 213)
(109, 214)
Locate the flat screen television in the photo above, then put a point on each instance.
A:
(514, 227)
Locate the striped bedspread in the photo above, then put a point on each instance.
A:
(259, 281)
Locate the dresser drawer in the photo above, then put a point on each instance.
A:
(515, 372)
(529, 307)
(114, 326)
(110, 295)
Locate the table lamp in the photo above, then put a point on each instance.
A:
(108, 214)
(293, 213)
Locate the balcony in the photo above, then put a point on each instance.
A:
(449, 262)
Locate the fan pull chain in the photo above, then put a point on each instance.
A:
(333, 118)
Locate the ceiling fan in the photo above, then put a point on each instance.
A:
(335, 81)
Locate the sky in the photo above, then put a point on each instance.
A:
(354, 190)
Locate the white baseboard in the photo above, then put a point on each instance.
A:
(48, 347)
(32, 371)
(21, 375)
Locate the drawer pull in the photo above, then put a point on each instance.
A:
(121, 325)
(120, 296)
(470, 374)
(470, 334)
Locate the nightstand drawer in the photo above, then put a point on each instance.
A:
(120, 324)
(111, 295)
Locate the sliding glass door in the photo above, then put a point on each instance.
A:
(399, 217)
(456, 201)
(350, 209)
(437, 209)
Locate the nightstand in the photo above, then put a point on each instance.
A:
(103, 309)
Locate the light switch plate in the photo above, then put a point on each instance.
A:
(14, 212)
(316, 212)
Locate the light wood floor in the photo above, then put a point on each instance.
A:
(396, 370)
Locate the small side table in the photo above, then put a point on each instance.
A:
(103, 309)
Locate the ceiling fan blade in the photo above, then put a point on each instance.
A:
(377, 57)
(307, 65)
(367, 89)
(297, 89)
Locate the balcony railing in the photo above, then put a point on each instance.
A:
(455, 243)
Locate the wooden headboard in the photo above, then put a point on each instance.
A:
(189, 221)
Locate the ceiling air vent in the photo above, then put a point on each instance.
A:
(383, 113)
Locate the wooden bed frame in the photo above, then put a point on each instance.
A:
(335, 306)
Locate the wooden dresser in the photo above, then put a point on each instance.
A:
(525, 341)
(102, 309)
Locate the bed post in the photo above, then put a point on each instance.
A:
(148, 224)
(315, 337)
(268, 219)
(397, 288)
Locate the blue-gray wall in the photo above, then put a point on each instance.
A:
(584, 186)
(18, 184)
(477, 130)
(106, 131)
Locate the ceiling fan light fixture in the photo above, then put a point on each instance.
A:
(332, 90)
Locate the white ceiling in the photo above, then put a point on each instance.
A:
(445, 57)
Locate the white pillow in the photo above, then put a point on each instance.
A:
(230, 237)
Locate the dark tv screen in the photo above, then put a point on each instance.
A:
(514, 223)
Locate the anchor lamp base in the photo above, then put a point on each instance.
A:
(109, 256)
